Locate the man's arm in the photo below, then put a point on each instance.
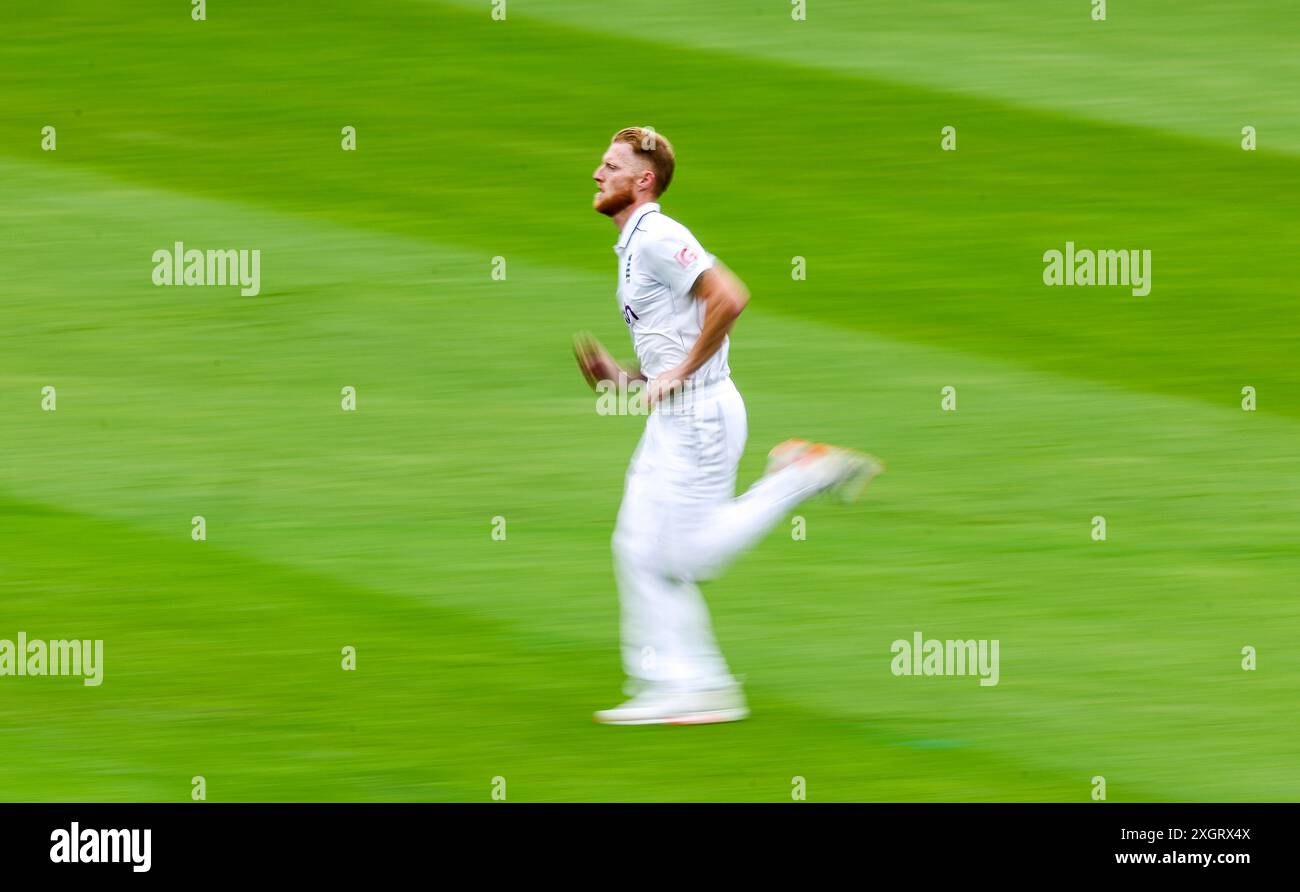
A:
(724, 297)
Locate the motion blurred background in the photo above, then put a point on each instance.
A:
(476, 139)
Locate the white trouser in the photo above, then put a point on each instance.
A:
(680, 523)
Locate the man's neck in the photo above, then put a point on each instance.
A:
(620, 219)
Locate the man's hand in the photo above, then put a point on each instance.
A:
(595, 361)
(665, 385)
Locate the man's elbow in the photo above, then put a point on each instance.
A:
(723, 292)
(737, 298)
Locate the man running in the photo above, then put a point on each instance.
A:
(680, 521)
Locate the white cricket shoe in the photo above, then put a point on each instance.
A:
(657, 707)
(845, 472)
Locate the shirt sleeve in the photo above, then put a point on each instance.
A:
(677, 260)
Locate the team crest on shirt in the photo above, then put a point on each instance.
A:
(686, 257)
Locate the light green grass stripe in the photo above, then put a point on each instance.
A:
(228, 668)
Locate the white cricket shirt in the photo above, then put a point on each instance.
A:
(658, 263)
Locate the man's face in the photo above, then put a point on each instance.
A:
(616, 178)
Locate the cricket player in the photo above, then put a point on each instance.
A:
(680, 521)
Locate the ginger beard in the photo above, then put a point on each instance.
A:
(613, 197)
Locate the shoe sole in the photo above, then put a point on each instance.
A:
(713, 717)
(710, 717)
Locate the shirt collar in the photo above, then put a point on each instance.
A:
(632, 222)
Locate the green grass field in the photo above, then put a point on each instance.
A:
(476, 139)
